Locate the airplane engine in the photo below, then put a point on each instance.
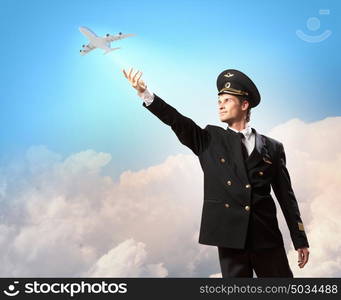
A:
(108, 34)
(83, 46)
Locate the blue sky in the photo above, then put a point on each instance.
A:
(50, 95)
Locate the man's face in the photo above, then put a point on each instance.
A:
(230, 109)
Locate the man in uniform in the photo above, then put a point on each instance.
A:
(239, 166)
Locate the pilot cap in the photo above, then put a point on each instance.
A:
(237, 83)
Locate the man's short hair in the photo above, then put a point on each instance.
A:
(248, 112)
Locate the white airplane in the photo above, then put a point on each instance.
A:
(100, 42)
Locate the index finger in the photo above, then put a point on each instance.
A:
(304, 259)
(130, 71)
(125, 74)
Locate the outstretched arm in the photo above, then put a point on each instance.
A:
(187, 131)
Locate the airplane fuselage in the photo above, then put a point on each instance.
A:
(100, 42)
(95, 40)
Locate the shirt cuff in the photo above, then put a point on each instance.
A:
(147, 96)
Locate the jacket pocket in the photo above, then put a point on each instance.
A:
(212, 200)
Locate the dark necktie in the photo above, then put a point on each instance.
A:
(244, 150)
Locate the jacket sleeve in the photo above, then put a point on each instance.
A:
(281, 185)
(187, 131)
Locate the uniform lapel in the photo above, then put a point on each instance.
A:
(238, 160)
(260, 153)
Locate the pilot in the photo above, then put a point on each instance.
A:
(240, 166)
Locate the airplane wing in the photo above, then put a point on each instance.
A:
(110, 38)
(86, 49)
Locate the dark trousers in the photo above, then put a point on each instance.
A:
(270, 262)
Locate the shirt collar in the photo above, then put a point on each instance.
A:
(246, 131)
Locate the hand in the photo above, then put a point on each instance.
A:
(303, 255)
(135, 81)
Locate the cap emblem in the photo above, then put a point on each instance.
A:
(228, 75)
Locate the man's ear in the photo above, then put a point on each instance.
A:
(246, 104)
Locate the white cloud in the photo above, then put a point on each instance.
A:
(216, 275)
(128, 259)
(62, 217)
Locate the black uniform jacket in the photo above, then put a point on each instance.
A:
(237, 204)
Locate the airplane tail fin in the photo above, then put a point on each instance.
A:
(111, 49)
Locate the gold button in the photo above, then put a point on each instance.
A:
(260, 173)
(247, 207)
(222, 160)
(227, 205)
(248, 186)
(229, 182)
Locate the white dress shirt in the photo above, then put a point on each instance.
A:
(249, 140)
